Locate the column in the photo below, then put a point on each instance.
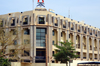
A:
(81, 44)
(87, 46)
(74, 40)
(58, 34)
(68, 35)
(60, 37)
(7, 49)
(19, 41)
(49, 43)
(34, 43)
(93, 48)
(98, 49)
(31, 42)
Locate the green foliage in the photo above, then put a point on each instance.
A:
(66, 52)
(4, 62)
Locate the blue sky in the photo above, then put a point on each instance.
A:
(80, 10)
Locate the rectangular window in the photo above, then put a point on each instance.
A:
(26, 41)
(41, 20)
(40, 37)
(14, 32)
(52, 42)
(15, 42)
(61, 34)
(69, 35)
(53, 32)
(26, 53)
(13, 52)
(26, 32)
(1, 23)
(25, 21)
(53, 52)
(13, 22)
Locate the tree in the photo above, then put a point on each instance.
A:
(66, 52)
(7, 39)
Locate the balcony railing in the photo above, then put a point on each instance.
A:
(90, 58)
(84, 57)
(64, 26)
(90, 33)
(78, 30)
(40, 57)
(95, 48)
(85, 32)
(96, 58)
(25, 22)
(78, 46)
(72, 28)
(1, 24)
(56, 24)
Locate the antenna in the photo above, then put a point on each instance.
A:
(33, 4)
(69, 13)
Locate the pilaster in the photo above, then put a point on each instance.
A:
(98, 49)
(68, 35)
(93, 48)
(74, 40)
(34, 43)
(81, 44)
(31, 41)
(87, 46)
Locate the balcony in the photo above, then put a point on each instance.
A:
(95, 48)
(90, 47)
(1, 24)
(40, 57)
(13, 22)
(25, 22)
(78, 46)
(84, 57)
(72, 28)
(90, 33)
(56, 24)
(64, 26)
(78, 30)
(85, 32)
(95, 58)
(90, 58)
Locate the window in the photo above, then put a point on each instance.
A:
(25, 21)
(15, 42)
(53, 32)
(26, 32)
(13, 22)
(61, 34)
(14, 32)
(40, 37)
(53, 52)
(26, 41)
(53, 42)
(69, 35)
(76, 37)
(12, 51)
(26, 53)
(1, 23)
(41, 20)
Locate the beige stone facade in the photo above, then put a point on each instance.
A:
(34, 25)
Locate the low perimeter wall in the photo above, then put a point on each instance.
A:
(35, 64)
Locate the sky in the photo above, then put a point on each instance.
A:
(80, 10)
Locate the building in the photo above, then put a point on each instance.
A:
(36, 24)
